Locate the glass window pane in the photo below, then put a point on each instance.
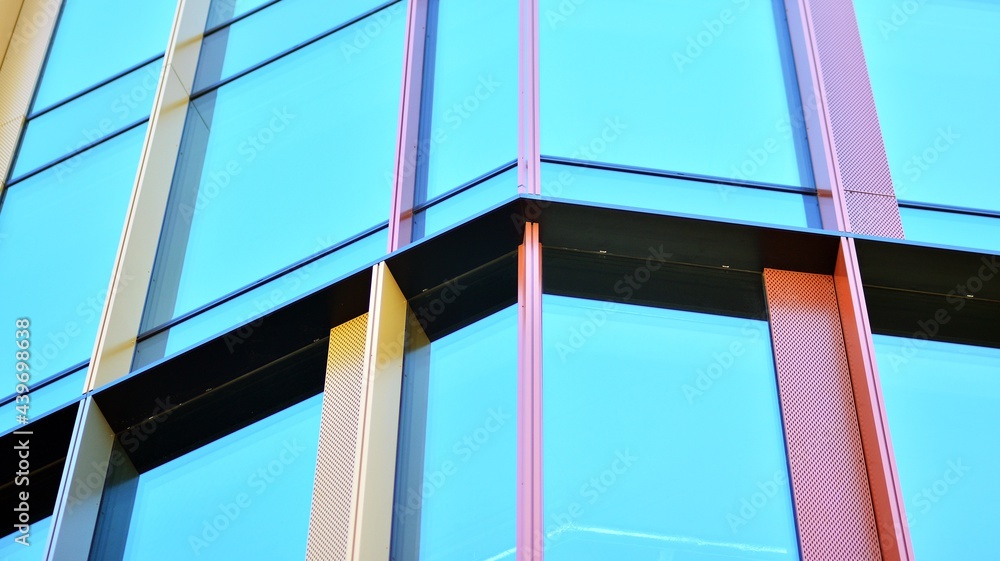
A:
(88, 118)
(96, 39)
(65, 224)
(702, 87)
(637, 190)
(456, 484)
(222, 11)
(223, 501)
(935, 74)
(38, 539)
(470, 93)
(45, 399)
(288, 23)
(951, 228)
(943, 405)
(663, 436)
(459, 208)
(291, 155)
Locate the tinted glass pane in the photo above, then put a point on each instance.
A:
(37, 540)
(935, 73)
(459, 208)
(663, 437)
(222, 501)
(943, 404)
(702, 87)
(288, 23)
(261, 300)
(456, 482)
(97, 39)
(704, 198)
(470, 93)
(951, 228)
(222, 11)
(88, 118)
(45, 400)
(65, 223)
(276, 165)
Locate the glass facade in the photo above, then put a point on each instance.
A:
(245, 281)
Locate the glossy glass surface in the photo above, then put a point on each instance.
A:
(44, 400)
(96, 39)
(935, 73)
(88, 118)
(276, 166)
(222, 11)
(223, 500)
(470, 93)
(951, 228)
(286, 24)
(943, 404)
(65, 223)
(261, 300)
(461, 207)
(662, 436)
(702, 87)
(636, 190)
(37, 538)
(456, 481)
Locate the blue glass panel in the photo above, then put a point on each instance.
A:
(943, 405)
(45, 399)
(261, 300)
(223, 501)
(459, 208)
(668, 194)
(284, 161)
(288, 23)
(38, 538)
(702, 87)
(951, 228)
(222, 11)
(935, 74)
(470, 93)
(456, 482)
(663, 436)
(96, 39)
(88, 118)
(65, 223)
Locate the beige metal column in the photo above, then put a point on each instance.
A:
(122, 313)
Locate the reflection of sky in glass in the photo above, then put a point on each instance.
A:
(224, 500)
(700, 87)
(935, 72)
(38, 538)
(943, 405)
(663, 436)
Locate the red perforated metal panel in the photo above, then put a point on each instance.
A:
(829, 480)
(855, 134)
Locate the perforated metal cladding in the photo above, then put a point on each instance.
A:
(335, 487)
(829, 481)
(873, 215)
(858, 146)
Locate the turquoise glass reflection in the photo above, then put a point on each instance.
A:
(88, 119)
(286, 24)
(703, 87)
(45, 399)
(96, 39)
(470, 94)
(456, 481)
(951, 228)
(705, 198)
(450, 212)
(222, 11)
(65, 223)
(943, 402)
(244, 496)
(663, 436)
(935, 74)
(276, 166)
(37, 538)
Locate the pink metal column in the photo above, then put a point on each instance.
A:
(827, 463)
(407, 143)
(530, 524)
(528, 158)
